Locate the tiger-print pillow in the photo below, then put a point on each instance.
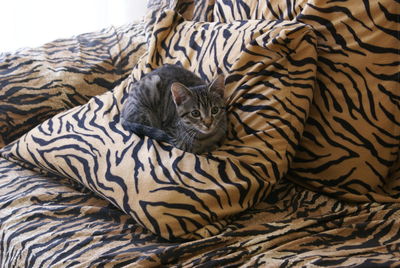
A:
(270, 68)
(352, 136)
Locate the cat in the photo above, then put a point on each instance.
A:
(174, 105)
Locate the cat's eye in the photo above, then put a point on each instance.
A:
(214, 110)
(195, 113)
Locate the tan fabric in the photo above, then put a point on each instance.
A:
(48, 221)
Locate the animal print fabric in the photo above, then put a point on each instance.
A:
(191, 10)
(48, 221)
(352, 137)
(195, 10)
(37, 83)
(270, 76)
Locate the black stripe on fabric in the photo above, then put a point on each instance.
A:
(197, 201)
(164, 206)
(119, 181)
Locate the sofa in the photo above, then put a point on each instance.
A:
(308, 175)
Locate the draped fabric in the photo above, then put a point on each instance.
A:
(307, 177)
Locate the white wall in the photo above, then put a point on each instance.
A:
(30, 23)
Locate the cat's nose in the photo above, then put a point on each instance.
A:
(207, 122)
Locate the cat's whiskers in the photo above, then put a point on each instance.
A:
(188, 135)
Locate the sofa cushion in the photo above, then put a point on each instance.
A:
(269, 67)
(351, 139)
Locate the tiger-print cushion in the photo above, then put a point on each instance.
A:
(37, 83)
(352, 137)
(270, 68)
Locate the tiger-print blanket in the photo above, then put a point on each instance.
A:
(348, 152)
(352, 136)
(48, 222)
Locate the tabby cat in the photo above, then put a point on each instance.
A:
(174, 105)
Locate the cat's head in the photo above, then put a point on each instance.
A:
(201, 108)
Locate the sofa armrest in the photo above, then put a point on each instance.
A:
(37, 83)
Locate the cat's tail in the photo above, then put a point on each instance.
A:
(143, 130)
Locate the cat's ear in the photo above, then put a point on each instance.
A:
(218, 85)
(180, 93)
